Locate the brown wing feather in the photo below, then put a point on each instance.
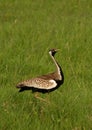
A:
(50, 76)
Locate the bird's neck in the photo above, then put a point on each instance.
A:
(58, 68)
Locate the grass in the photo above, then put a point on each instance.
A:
(28, 29)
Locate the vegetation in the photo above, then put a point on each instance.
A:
(28, 29)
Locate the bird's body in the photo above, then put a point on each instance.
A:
(44, 83)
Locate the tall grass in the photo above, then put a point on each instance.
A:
(28, 29)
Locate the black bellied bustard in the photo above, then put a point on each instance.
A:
(44, 83)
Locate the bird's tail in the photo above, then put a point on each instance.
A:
(22, 87)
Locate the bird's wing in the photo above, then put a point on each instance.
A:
(39, 83)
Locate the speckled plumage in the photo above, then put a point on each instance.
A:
(39, 83)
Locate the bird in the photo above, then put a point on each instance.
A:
(44, 83)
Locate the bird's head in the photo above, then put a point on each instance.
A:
(53, 51)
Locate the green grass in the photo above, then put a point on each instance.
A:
(28, 29)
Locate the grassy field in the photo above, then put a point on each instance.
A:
(28, 29)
